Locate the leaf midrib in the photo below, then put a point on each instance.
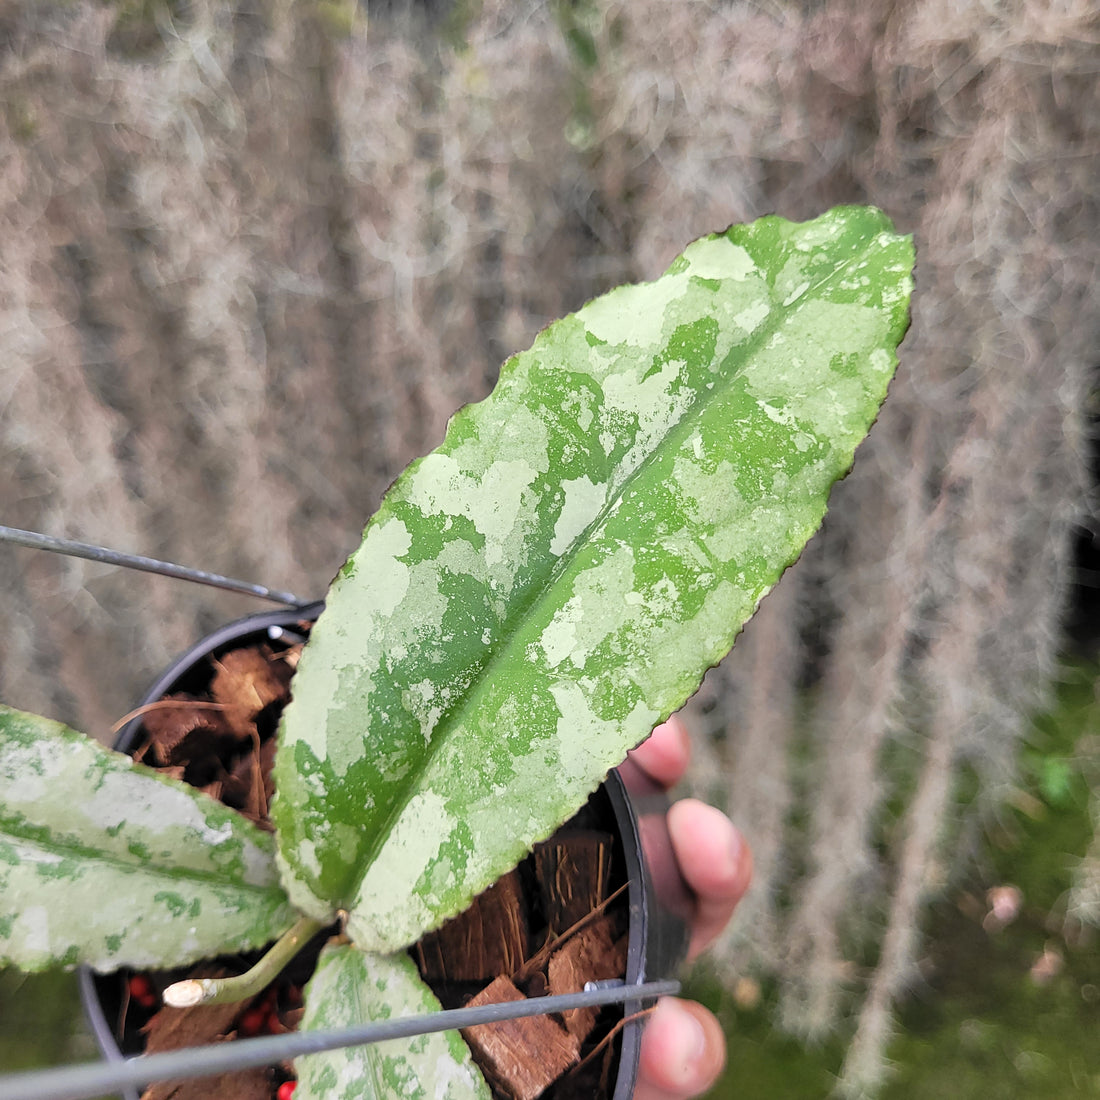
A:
(115, 861)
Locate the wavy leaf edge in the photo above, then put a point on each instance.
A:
(395, 681)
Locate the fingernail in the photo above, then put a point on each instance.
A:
(734, 854)
(686, 1043)
(742, 861)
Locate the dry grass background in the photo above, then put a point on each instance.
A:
(253, 254)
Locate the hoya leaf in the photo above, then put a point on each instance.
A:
(352, 987)
(556, 578)
(104, 862)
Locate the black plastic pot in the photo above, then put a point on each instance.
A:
(633, 808)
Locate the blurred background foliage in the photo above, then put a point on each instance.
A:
(255, 252)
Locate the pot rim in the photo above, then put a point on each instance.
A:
(657, 936)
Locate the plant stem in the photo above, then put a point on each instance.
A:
(209, 991)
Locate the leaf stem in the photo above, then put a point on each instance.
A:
(210, 991)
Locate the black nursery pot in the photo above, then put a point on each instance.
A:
(628, 804)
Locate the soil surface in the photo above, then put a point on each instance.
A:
(555, 922)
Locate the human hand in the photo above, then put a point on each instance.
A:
(683, 1047)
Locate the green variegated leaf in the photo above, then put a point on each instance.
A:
(533, 596)
(352, 987)
(106, 863)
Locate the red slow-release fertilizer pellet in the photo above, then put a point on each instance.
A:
(141, 990)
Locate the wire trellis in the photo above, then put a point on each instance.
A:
(96, 1078)
(91, 552)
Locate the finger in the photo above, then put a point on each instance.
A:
(683, 1051)
(715, 862)
(664, 755)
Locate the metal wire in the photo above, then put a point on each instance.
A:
(91, 552)
(97, 1078)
